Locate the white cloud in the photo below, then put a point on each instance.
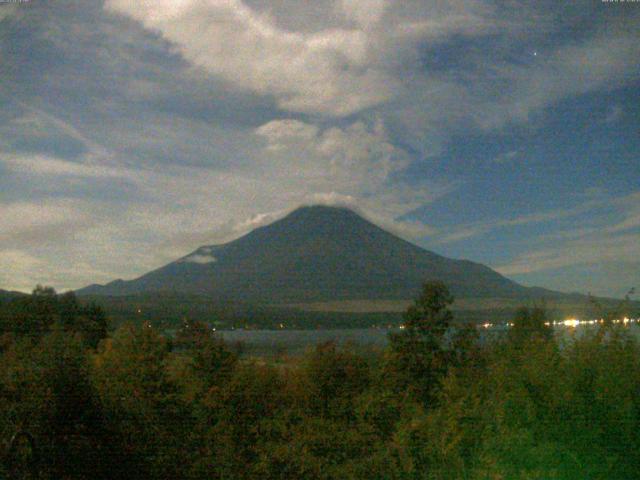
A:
(337, 70)
(279, 133)
(365, 13)
(353, 159)
(355, 166)
(322, 72)
(26, 222)
(377, 59)
(36, 121)
(20, 270)
(590, 250)
(49, 166)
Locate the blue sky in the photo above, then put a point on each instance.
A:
(503, 132)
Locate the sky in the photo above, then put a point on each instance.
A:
(503, 132)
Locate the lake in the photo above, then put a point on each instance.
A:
(261, 342)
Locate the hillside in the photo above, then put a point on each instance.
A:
(6, 296)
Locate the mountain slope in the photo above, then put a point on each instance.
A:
(316, 254)
(6, 295)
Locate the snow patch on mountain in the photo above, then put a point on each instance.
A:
(200, 258)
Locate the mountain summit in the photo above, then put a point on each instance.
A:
(317, 253)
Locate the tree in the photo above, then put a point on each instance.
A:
(141, 401)
(417, 355)
(430, 315)
(332, 377)
(234, 418)
(530, 324)
(202, 361)
(47, 392)
(36, 315)
(89, 321)
(623, 308)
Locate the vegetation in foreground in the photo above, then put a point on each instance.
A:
(433, 405)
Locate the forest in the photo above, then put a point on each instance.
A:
(82, 400)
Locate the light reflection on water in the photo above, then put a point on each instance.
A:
(296, 341)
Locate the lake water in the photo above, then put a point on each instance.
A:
(297, 341)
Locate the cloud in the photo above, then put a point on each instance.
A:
(179, 207)
(508, 157)
(280, 132)
(29, 223)
(47, 166)
(38, 122)
(20, 269)
(610, 242)
(466, 231)
(601, 62)
(615, 113)
(355, 166)
(365, 13)
(584, 251)
(602, 208)
(162, 126)
(322, 72)
(350, 158)
(348, 65)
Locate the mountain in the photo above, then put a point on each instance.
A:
(316, 254)
(5, 295)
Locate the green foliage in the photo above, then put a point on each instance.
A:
(140, 400)
(438, 404)
(234, 417)
(430, 314)
(417, 355)
(331, 378)
(530, 323)
(47, 391)
(35, 315)
(621, 309)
